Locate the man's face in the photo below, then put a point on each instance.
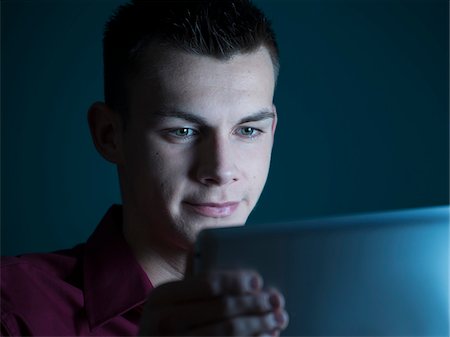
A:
(196, 148)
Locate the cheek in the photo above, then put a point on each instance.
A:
(257, 169)
(149, 155)
(260, 176)
(166, 168)
(145, 166)
(260, 160)
(170, 161)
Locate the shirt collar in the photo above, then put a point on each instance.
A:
(114, 282)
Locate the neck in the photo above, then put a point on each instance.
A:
(161, 265)
(162, 260)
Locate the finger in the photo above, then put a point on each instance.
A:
(276, 298)
(244, 326)
(205, 286)
(187, 316)
(229, 282)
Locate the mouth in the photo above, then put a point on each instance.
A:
(214, 210)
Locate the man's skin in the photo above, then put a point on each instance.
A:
(194, 152)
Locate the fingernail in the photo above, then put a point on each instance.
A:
(280, 318)
(255, 283)
(274, 300)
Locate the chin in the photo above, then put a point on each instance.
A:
(222, 222)
(191, 236)
(187, 230)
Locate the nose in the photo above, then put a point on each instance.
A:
(216, 162)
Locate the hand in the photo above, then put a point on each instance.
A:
(225, 303)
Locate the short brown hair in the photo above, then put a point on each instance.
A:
(217, 28)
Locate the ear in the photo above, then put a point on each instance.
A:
(275, 120)
(106, 131)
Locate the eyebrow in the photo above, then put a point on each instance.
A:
(190, 117)
(258, 116)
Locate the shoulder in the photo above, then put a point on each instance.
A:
(56, 264)
(36, 287)
(35, 277)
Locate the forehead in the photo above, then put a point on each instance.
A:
(173, 79)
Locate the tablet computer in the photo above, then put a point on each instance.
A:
(375, 274)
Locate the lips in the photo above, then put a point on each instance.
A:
(214, 210)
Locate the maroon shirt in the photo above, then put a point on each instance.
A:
(94, 289)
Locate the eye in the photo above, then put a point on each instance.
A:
(248, 132)
(183, 132)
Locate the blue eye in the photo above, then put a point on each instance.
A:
(183, 132)
(249, 132)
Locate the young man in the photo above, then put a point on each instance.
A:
(189, 121)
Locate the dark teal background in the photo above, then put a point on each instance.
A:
(362, 100)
